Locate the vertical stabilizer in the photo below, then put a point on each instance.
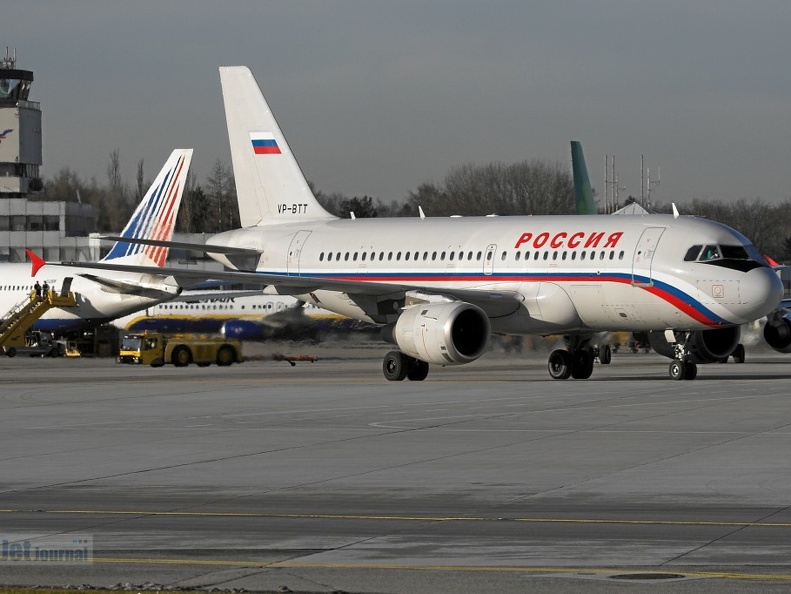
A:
(270, 186)
(155, 216)
(583, 193)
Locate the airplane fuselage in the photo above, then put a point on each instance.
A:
(96, 304)
(555, 274)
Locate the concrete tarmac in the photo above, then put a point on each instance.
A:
(324, 477)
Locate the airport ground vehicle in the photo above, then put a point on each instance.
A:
(39, 344)
(155, 349)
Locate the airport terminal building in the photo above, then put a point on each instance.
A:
(55, 230)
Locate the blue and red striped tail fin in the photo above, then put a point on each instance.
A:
(155, 216)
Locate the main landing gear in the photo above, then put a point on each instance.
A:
(397, 366)
(577, 361)
(564, 364)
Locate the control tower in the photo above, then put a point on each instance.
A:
(20, 132)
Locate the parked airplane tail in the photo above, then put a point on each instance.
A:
(155, 216)
(270, 185)
(583, 193)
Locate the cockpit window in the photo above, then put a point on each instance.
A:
(734, 252)
(692, 253)
(721, 252)
(710, 252)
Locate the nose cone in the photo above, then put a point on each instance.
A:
(761, 292)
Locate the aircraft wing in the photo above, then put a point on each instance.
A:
(183, 245)
(494, 303)
(287, 284)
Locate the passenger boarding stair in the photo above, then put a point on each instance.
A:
(24, 314)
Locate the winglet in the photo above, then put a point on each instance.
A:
(35, 261)
(675, 211)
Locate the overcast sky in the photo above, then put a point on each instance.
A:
(377, 97)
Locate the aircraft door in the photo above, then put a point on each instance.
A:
(644, 255)
(488, 260)
(294, 250)
(66, 287)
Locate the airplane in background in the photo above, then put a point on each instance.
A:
(233, 314)
(440, 287)
(103, 297)
(583, 191)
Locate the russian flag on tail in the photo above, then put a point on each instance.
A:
(264, 143)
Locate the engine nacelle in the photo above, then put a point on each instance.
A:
(777, 333)
(703, 346)
(244, 330)
(452, 333)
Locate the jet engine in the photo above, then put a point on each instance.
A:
(702, 346)
(452, 333)
(777, 332)
(244, 330)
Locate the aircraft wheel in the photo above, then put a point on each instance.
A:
(582, 364)
(395, 366)
(181, 356)
(678, 370)
(559, 364)
(605, 355)
(690, 371)
(417, 370)
(225, 356)
(738, 354)
(11, 352)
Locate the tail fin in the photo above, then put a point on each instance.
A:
(583, 193)
(155, 216)
(270, 186)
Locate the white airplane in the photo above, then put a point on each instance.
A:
(441, 286)
(234, 314)
(101, 298)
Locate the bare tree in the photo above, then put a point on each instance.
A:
(528, 187)
(221, 194)
(141, 183)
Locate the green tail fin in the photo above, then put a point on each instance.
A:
(583, 193)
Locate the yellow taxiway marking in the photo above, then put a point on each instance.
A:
(397, 518)
(619, 571)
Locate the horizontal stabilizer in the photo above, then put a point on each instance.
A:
(122, 288)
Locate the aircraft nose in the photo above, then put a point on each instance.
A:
(761, 292)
